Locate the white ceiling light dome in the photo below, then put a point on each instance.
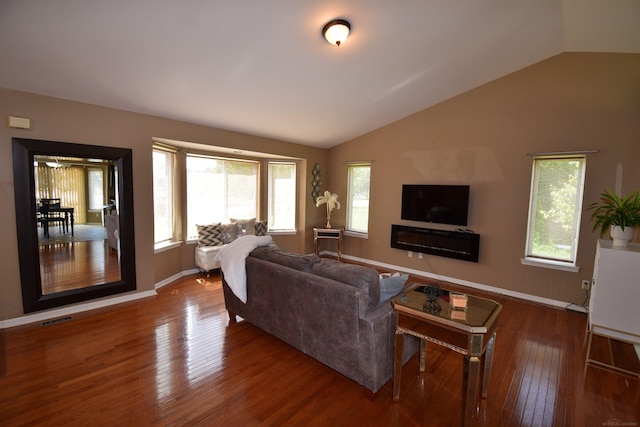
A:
(336, 31)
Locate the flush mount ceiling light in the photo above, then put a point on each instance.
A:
(336, 31)
(56, 164)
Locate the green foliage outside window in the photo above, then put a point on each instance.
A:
(359, 184)
(557, 199)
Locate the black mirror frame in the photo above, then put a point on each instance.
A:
(24, 151)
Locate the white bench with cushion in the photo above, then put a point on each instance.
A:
(213, 237)
(206, 257)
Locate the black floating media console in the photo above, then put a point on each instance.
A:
(451, 244)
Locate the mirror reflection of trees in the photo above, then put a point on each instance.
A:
(74, 196)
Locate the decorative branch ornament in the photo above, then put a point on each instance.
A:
(331, 200)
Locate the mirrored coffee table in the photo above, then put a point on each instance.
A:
(460, 322)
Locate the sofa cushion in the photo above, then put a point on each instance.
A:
(245, 226)
(261, 252)
(209, 235)
(288, 259)
(365, 278)
(391, 284)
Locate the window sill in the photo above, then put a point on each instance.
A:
(356, 234)
(194, 240)
(165, 246)
(555, 265)
(282, 232)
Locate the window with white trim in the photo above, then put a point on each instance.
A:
(163, 195)
(555, 207)
(219, 189)
(95, 177)
(282, 196)
(359, 179)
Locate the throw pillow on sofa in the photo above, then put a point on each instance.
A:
(209, 235)
(391, 284)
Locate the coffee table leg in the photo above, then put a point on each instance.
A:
(423, 354)
(470, 371)
(487, 360)
(397, 365)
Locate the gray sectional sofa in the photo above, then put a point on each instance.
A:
(327, 309)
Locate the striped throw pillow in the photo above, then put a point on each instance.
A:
(209, 235)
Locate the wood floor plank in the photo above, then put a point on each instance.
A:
(175, 360)
(77, 264)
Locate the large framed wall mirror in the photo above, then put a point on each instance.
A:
(74, 218)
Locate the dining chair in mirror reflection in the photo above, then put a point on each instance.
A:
(49, 211)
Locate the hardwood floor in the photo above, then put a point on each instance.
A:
(77, 264)
(174, 360)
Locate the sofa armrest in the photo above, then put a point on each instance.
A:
(377, 332)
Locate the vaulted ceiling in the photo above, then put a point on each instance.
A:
(263, 68)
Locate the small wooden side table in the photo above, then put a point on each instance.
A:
(471, 332)
(328, 233)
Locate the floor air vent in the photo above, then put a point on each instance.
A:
(54, 321)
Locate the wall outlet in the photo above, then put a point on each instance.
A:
(585, 284)
(420, 255)
(410, 253)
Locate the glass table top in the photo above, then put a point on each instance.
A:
(448, 305)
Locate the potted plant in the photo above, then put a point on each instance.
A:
(621, 214)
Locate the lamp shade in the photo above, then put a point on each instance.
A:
(336, 31)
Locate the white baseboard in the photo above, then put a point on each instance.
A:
(175, 277)
(92, 305)
(66, 311)
(480, 286)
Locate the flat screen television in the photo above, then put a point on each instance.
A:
(442, 204)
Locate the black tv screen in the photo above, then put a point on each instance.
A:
(443, 204)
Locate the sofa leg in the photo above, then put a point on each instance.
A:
(370, 395)
(232, 317)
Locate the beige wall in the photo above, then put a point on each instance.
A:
(572, 101)
(60, 120)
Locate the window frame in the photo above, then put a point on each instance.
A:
(256, 163)
(270, 197)
(171, 197)
(530, 258)
(349, 229)
(91, 172)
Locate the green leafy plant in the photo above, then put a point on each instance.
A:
(614, 210)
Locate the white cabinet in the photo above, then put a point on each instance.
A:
(614, 306)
